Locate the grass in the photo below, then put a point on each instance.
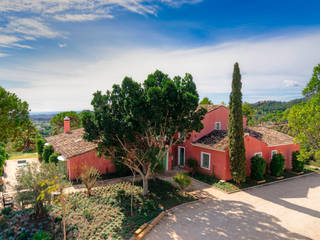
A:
(107, 214)
(19, 155)
(315, 163)
(231, 186)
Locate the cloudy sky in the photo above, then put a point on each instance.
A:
(55, 53)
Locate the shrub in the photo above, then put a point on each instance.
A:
(182, 180)
(42, 236)
(54, 158)
(3, 156)
(193, 164)
(89, 177)
(87, 214)
(39, 146)
(47, 151)
(297, 165)
(6, 211)
(258, 167)
(277, 164)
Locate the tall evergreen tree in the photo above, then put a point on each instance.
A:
(237, 151)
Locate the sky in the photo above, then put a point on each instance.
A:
(55, 54)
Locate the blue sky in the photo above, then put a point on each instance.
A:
(55, 54)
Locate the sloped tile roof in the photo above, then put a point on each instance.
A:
(71, 144)
(218, 139)
(209, 107)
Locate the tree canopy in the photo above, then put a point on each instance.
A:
(304, 124)
(57, 122)
(205, 101)
(248, 112)
(235, 130)
(313, 86)
(137, 124)
(14, 113)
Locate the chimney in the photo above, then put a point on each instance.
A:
(66, 124)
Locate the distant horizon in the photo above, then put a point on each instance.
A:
(57, 111)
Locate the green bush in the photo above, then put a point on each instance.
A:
(277, 164)
(297, 165)
(87, 214)
(193, 164)
(40, 146)
(42, 236)
(182, 180)
(258, 167)
(47, 151)
(3, 156)
(6, 211)
(54, 158)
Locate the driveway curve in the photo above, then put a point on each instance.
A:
(284, 210)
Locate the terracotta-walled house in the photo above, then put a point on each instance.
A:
(210, 146)
(77, 152)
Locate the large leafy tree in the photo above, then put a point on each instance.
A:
(205, 101)
(235, 130)
(304, 124)
(313, 86)
(57, 122)
(137, 124)
(248, 112)
(14, 113)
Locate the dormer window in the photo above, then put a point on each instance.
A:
(217, 126)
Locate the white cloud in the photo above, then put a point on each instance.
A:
(3, 54)
(80, 17)
(62, 45)
(266, 65)
(291, 83)
(31, 28)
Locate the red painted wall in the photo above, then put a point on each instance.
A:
(76, 163)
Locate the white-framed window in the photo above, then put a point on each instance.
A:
(205, 160)
(181, 155)
(258, 153)
(180, 135)
(273, 152)
(217, 125)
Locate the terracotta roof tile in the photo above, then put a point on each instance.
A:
(209, 107)
(71, 144)
(218, 139)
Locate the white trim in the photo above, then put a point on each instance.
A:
(167, 158)
(215, 126)
(201, 165)
(258, 153)
(272, 153)
(184, 155)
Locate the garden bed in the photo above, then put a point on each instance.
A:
(105, 215)
(231, 186)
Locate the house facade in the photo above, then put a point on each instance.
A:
(77, 152)
(210, 146)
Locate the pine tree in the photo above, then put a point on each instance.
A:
(237, 152)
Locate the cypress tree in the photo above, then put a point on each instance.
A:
(237, 152)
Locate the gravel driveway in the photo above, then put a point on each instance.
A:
(285, 210)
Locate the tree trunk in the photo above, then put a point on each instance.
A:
(145, 185)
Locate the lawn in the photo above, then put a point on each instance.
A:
(231, 186)
(19, 155)
(105, 215)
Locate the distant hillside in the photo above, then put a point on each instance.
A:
(263, 108)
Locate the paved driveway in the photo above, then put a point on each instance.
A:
(286, 210)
